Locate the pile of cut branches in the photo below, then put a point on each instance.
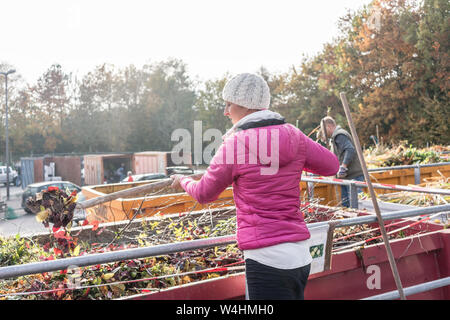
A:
(419, 199)
(382, 156)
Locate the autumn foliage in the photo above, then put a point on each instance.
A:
(392, 62)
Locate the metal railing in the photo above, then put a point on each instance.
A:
(426, 165)
(427, 286)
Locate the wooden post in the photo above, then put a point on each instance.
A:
(373, 196)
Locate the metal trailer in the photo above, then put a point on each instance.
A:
(395, 175)
(421, 258)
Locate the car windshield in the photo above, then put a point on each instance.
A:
(33, 190)
(70, 186)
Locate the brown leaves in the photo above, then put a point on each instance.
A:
(53, 206)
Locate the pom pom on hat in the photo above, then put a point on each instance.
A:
(247, 90)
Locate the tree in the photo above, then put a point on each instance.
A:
(399, 69)
(135, 97)
(92, 120)
(306, 95)
(170, 102)
(432, 66)
(209, 106)
(51, 105)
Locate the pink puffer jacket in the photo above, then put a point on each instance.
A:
(267, 202)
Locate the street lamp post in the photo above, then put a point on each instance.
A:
(7, 133)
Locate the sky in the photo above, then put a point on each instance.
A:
(212, 37)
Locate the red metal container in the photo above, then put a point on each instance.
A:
(38, 169)
(150, 162)
(420, 258)
(66, 167)
(158, 161)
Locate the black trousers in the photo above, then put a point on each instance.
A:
(268, 283)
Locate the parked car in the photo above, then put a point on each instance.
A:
(187, 171)
(179, 170)
(32, 189)
(12, 175)
(146, 176)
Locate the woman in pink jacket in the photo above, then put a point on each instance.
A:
(263, 157)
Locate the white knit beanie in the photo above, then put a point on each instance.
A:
(247, 90)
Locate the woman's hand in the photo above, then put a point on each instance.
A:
(176, 181)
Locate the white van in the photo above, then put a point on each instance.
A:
(12, 175)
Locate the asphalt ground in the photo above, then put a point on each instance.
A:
(17, 221)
